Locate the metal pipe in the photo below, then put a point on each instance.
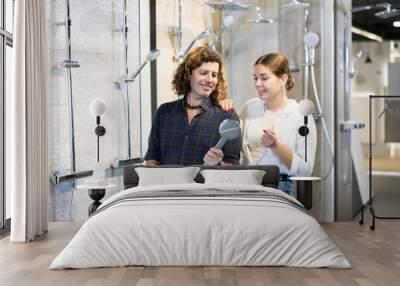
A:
(306, 56)
(347, 101)
(315, 91)
(69, 81)
(128, 117)
(347, 171)
(179, 32)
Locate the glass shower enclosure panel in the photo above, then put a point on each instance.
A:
(88, 60)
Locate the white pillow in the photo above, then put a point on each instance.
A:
(249, 177)
(166, 176)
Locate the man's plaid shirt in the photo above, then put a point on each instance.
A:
(173, 141)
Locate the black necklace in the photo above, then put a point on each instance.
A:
(193, 107)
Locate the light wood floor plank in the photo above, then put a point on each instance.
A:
(375, 257)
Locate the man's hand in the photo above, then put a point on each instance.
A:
(152, 163)
(213, 157)
(269, 138)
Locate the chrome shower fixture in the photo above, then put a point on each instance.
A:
(311, 40)
(260, 19)
(228, 21)
(228, 5)
(389, 12)
(181, 55)
(151, 56)
(296, 4)
(355, 64)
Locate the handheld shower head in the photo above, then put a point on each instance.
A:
(229, 130)
(182, 53)
(203, 35)
(355, 64)
(311, 39)
(228, 21)
(151, 56)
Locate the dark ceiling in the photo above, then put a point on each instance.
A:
(366, 20)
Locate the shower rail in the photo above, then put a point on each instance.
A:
(56, 176)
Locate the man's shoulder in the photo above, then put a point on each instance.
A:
(169, 106)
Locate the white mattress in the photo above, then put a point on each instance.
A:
(183, 231)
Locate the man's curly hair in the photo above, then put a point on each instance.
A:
(200, 55)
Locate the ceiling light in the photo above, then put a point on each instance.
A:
(396, 24)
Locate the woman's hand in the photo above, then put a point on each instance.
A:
(227, 104)
(213, 157)
(269, 138)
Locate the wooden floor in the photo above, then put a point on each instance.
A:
(375, 257)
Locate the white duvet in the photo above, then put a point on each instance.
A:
(183, 231)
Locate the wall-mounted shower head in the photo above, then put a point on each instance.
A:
(228, 5)
(389, 12)
(182, 53)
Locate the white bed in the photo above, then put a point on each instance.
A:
(223, 225)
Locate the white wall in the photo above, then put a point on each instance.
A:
(196, 18)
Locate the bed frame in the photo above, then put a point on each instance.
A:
(270, 179)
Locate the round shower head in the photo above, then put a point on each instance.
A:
(228, 21)
(311, 39)
(152, 55)
(202, 35)
(227, 5)
(296, 4)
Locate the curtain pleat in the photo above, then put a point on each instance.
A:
(29, 159)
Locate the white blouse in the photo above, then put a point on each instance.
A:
(254, 117)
